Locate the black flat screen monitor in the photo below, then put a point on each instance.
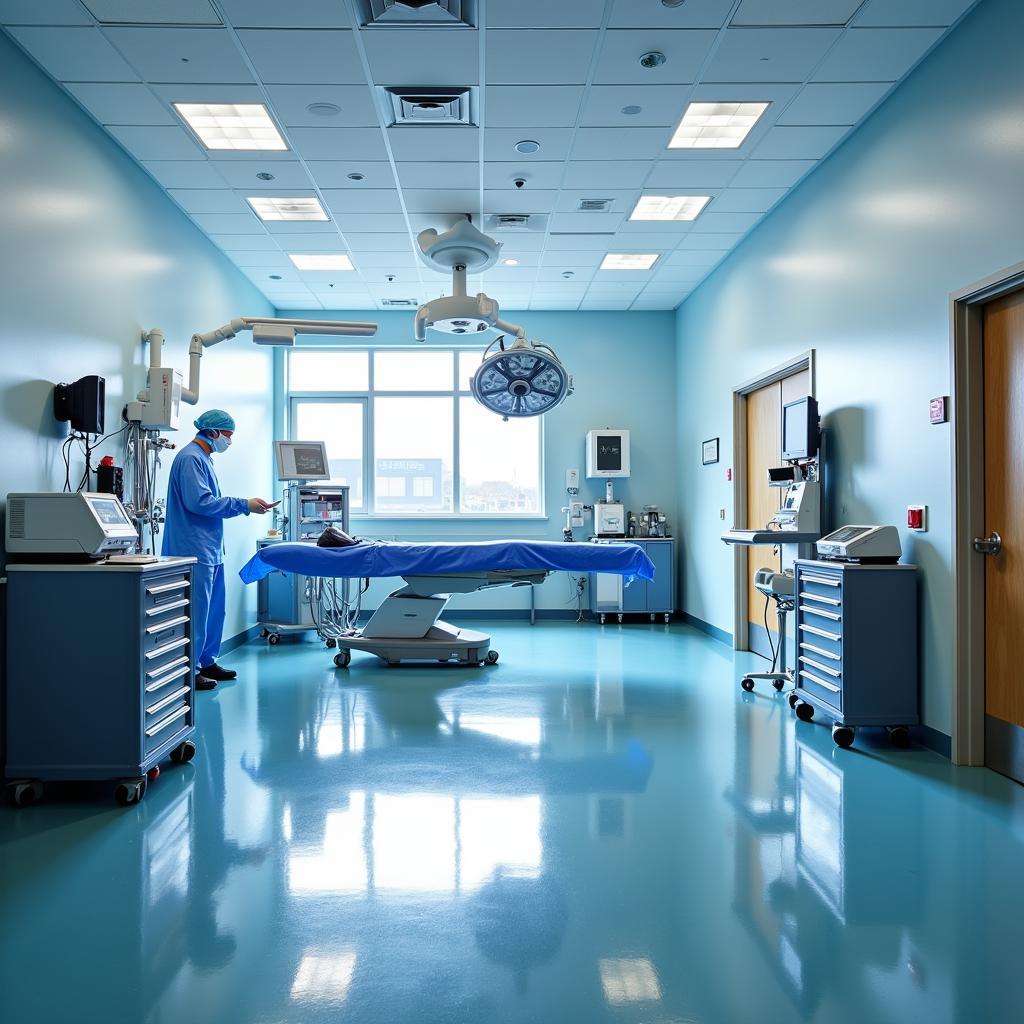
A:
(800, 430)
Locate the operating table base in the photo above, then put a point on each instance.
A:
(443, 642)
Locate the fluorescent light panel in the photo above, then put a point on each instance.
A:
(669, 207)
(716, 125)
(290, 208)
(232, 125)
(628, 261)
(321, 261)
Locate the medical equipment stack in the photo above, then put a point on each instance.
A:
(100, 674)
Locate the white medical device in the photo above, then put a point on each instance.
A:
(302, 460)
(607, 453)
(74, 526)
(865, 544)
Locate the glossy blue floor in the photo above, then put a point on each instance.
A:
(601, 827)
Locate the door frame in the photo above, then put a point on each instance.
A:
(741, 561)
(966, 317)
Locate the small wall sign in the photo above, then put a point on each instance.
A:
(938, 410)
(709, 452)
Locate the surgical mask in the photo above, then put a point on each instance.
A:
(220, 443)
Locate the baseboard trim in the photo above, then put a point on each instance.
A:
(705, 627)
(239, 639)
(933, 740)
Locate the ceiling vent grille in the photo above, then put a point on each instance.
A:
(421, 13)
(516, 222)
(595, 205)
(429, 106)
(399, 302)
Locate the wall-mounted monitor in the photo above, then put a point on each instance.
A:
(302, 460)
(801, 430)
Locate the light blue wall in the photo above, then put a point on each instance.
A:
(92, 252)
(858, 264)
(623, 364)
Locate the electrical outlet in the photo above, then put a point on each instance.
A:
(721, 513)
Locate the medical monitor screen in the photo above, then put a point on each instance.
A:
(800, 429)
(609, 453)
(302, 460)
(108, 512)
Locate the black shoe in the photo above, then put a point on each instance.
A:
(221, 675)
(204, 683)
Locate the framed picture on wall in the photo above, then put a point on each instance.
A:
(709, 452)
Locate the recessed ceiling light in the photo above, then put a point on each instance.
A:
(321, 261)
(716, 125)
(356, 176)
(631, 109)
(264, 175)
(628, 261)
(669, 207)
(287, 208)
(324, 109)
(232, 125)
(654, 59)
(510, 263)
(672, 3)
(274, 277)
(527, 146)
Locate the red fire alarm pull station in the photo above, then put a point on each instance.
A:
(938, 410)
(916, 517)
(728, 474)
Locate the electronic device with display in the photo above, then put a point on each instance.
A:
(302, 460)
(863, 544)
(80, 525)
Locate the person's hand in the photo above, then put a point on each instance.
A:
(260, 506)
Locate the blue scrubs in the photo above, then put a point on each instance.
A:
(195, 526)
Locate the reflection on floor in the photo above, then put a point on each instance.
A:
(602, 827)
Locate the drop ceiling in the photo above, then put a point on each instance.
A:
(560, 73)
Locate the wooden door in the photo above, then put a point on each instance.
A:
(764, 450)
(1004, 502)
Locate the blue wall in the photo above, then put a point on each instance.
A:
(624, 370)
(93, 252)
(858, 264)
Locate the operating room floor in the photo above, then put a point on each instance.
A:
(602, 827)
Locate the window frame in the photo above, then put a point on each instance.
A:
(457, 392)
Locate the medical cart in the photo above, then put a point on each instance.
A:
(100, 676)
(610, 596)
(283, 603)
(856, 656)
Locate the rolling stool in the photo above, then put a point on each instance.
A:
(780, 587)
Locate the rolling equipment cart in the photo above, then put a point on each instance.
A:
(656, 598)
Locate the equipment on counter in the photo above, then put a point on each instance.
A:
(607, 453)
(76, 526)
(302, 460)
(862, 544)
(110, 478)
(798, 521)
(82, 404)
(610, 519)
(652, 522)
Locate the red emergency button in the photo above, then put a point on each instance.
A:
(916, 517)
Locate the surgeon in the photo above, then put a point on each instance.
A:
(195, 526)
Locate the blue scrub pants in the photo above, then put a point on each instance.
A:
(208, 612)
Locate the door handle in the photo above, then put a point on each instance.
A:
(990, 545)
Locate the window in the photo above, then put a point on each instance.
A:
(404, 433)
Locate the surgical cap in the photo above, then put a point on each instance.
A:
(215, 419)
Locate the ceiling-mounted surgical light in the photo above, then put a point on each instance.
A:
(525, 379)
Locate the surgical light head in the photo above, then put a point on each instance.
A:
(525, 379)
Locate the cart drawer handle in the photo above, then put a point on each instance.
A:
(823, 580)
(820, 651)
(160, 683)
(159, 627)
(159, 652)
(823, 600)
(169, 699)
(821, 682)
(164, 722)
(161, 669)
(807, 628)
(166, 607)
(821, 668)
(165, 588)
(821, 611)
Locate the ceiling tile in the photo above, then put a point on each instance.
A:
(795, 12)
(607, 174)
(294, 14)
(799, 143)
(606, 302)
(419, 174)
(440, 200)
(420, 143)
(544, 106)
(622, 200)
(373, 200)
(301, 56)
(912, 12)
(876, 54)
(717, 220)
(544, 14)
(638, 238)
(659, 105)
(121, 103)
(591, 222)
(537, 174)
(638, 143)
(645, 303)
(771, 173)
(209, 200)
(219, 92)
(288, 174)
(575, 242)
(291, 105)
(835, 103)
(536, 57)
(769, 54)
(32, 12)
(403, 260)
(301, 227)
(356, 144)
(157, 143)
(75, 54)
(707, 240)
(685, 50)
(229, 223)
(184, 173)
(500, 143)
(401, 56)
(690, 174)
(378, 241)
(570, 260)
(389, 222)
(524, 201)
(262, 276)
(245, 243)
(335, 173)
(153, 12)
(312, 241)
(746, 200)
(182, 54)
(701, 260)
(260, 259)
(692, 14)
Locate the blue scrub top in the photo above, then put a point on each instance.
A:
(195, 509)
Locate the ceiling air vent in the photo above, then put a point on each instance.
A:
(429, 13)
(516, 222)
(595, 205)
(429, 106)
(399, 302)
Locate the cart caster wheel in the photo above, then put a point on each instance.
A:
(899, 736)
(842, 735)
(621, 617)
(154, 773)
(24, 793)
(183, 752)
(793, 700)
(747, 684)
(264, 633)
(130, 792)
(603, 619)
(804, 711)
(652, 617)
(492, 657)
(668, 618)
(343, 659)
(778, 684)
(273, 639)
(331, 644)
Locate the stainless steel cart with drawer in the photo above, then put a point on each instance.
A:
(856, 647)
(100, 676)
